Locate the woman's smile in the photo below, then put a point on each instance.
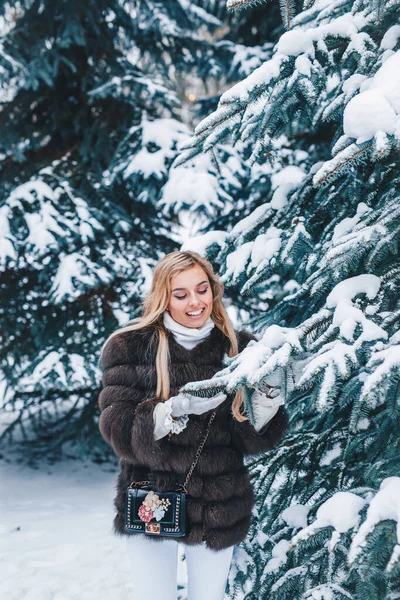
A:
(191, 299)
(196, 314)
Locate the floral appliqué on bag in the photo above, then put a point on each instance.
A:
(152, 506)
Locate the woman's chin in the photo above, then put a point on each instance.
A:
(195, 322)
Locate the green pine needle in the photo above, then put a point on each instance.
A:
(288, 9)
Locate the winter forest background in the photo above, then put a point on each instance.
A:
(265, 136)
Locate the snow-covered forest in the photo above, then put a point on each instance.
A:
(265, 136)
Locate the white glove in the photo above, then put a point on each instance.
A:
(180, 407)
(164, 423)
(264, 408)
(186, 404)
(266, 400)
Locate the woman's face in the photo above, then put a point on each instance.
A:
(191, 299)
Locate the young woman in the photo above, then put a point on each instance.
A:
(155, 430)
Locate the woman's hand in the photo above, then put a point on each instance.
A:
(264, 406)
(273, 387)
(266, 400)
(271, 391)
(186, 404)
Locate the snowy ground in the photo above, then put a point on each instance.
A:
(56, 536)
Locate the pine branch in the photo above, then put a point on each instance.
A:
(288, 8)
(325, 173)
(235, 4)
(308, 4)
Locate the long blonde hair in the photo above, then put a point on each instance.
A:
(156, 303)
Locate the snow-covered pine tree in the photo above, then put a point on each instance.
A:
(321, 254)
(76, 238)
(93, 96)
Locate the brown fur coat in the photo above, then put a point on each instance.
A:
(220, 497)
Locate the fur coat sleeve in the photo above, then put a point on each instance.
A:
(245, 438)
(126, 419)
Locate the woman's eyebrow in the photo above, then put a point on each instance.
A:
(201, 282)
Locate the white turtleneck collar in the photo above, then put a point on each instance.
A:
(188, 337)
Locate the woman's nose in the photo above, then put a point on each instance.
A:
(193, 300)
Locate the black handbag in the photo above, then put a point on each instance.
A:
(159, 513)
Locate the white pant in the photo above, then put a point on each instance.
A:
(153, 569)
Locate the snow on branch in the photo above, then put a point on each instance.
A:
(384, 505)
(43, 209)
(340, 511)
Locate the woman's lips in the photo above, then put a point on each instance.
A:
(196, 316)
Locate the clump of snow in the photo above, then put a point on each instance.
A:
(341, 511)
(148, 163)
(276, 336)
(382, 364)
(293, 573)
(44, 222)
(363, 424)
(291, 286)
(32, 190)
(236, 262)
(261, 538)
(7, 240)
(346, 315)
(383, 506)
(283, 182)
(330, 456)
(336, 361)
(378, 104)
(387, 80)
(303, 65)
(382, 144)
(165, 133)
(254, 254)
(279, 556)
(280, 196)
(353, 83)
(347, 26)
(293, 43)
(297, 41)
(242, 90)
(348, 223)
(296, 515)
(249, 222)
(390, 38)
(291, 174)
(187, 186)
(265, 246)
(321, 592)
(332, 82)
(367, 113)
(50, 363)
(76, 271)
(200, 243)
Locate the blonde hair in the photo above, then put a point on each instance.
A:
(156, 303)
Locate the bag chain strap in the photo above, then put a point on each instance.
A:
(194, 463)
(199, 450)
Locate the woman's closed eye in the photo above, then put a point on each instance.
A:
(182, 297)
